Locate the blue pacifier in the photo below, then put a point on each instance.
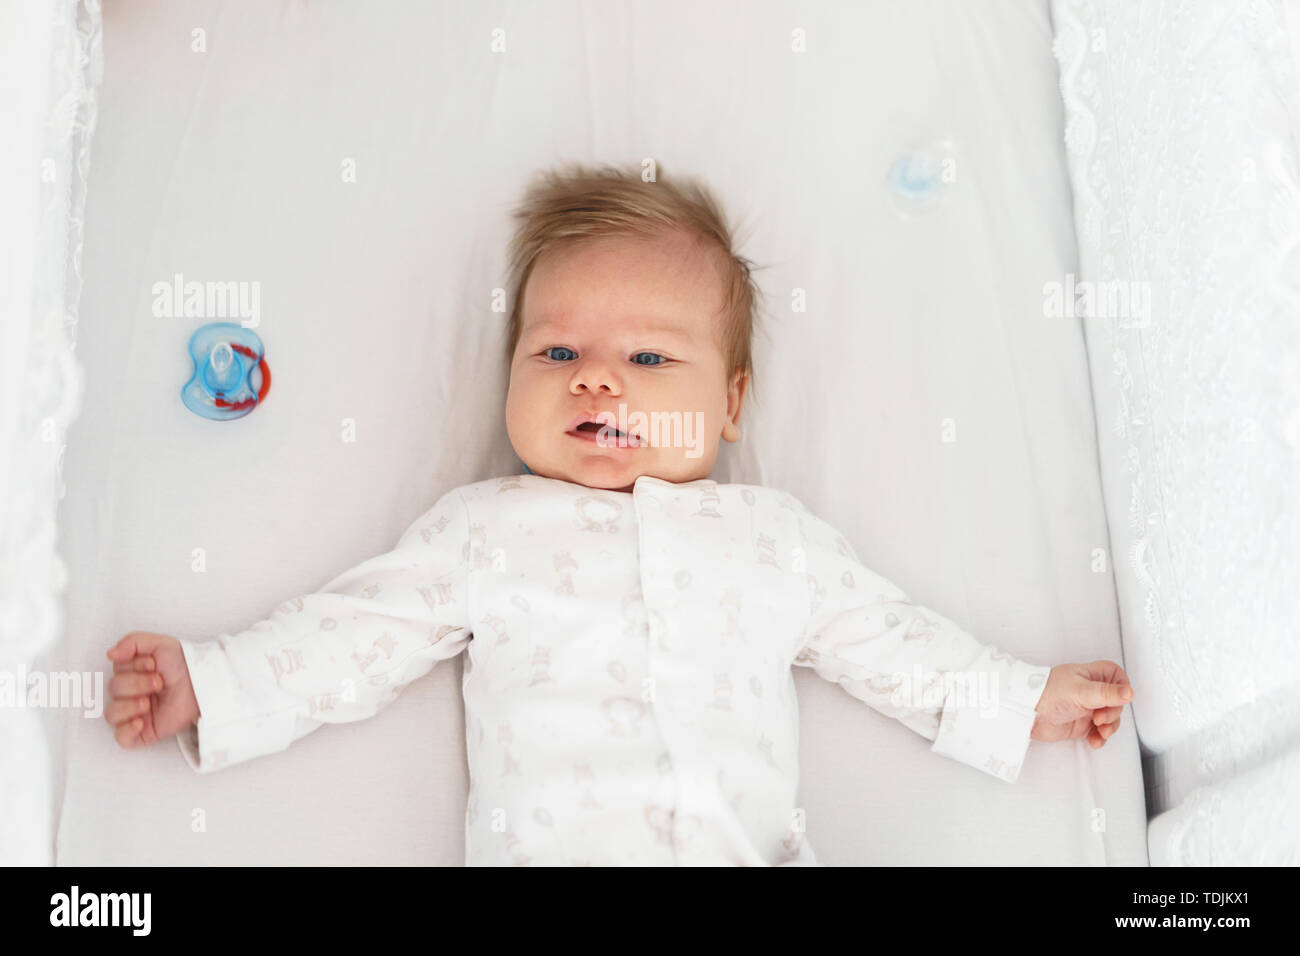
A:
(230, 375)
(919, 179)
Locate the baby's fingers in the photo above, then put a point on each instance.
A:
(133, 685)
(1098, 734)
(1106, 715)
(138, 643)
(124, 649)
(144, 662)
(128, 734)
(125, 709)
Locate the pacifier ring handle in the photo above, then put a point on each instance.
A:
(266, 379)
(262, 367)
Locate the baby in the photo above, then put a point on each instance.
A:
(630, 623)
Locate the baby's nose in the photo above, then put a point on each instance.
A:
(595, 377)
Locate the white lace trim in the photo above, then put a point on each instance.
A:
(1183, 138)
(42, 391)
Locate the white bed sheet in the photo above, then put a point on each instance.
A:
(225, 165)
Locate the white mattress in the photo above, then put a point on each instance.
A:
(924, 315)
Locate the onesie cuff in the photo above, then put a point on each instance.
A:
(987, 717)
(231, 730)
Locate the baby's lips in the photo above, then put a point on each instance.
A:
(629, 438)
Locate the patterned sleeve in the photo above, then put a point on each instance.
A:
(340, 654)
(911, 663)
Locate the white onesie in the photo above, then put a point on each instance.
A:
(628, 689)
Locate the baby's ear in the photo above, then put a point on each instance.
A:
(735, 399)
(736, 395)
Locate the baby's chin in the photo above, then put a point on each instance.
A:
(618, 471)
(595, 471)
(608, 477)
(611, 476)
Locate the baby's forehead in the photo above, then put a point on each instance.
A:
(620, 285)
(613, 326)
(694, 335)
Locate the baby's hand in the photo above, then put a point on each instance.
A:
(1082, 700)
(151, 684)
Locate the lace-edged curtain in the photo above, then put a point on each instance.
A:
(50, 70)
(1183, 138)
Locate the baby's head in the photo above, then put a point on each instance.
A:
(628, 305)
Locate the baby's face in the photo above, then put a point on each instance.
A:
(630, 328)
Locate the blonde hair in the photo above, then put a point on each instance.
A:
(576, 203)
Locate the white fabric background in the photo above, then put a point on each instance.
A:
(376, 307)
(1184, 133)
(50, 67)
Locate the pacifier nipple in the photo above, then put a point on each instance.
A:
(222, 373)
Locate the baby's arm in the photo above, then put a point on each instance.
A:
(340, 654)
(976, 703)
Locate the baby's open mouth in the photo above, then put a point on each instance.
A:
(606, 434)
(597, 426)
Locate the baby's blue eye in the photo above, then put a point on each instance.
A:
(655, 355)
(561, 348)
